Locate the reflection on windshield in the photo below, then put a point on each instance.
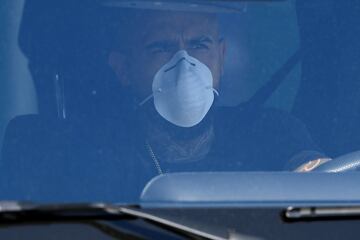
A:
(127, 94)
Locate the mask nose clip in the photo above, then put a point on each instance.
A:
(180, 60)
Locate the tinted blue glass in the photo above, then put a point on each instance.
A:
(129, 91)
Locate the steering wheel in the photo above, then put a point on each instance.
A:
(348, 162)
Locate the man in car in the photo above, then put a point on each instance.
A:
(172, 62)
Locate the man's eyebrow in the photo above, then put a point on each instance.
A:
(202, 39)
(160, 43)
(171, 43)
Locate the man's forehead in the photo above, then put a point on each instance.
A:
(162, 24)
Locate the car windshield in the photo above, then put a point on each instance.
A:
(100, 97)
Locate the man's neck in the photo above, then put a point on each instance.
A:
(174, 144)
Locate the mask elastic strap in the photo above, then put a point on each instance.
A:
(214, 90)
(145, 100)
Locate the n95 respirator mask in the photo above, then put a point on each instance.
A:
(183, 90)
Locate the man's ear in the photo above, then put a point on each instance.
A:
(117, 62)
(222, 48)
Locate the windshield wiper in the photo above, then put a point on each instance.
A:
(293, 214)
(16, 213)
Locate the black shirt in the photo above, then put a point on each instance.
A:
(245, 140)
(83, 160)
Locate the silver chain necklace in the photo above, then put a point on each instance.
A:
(154, 158)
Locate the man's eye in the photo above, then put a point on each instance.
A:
(160, 50)
(200, 46)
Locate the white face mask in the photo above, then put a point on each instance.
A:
(183, 90)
